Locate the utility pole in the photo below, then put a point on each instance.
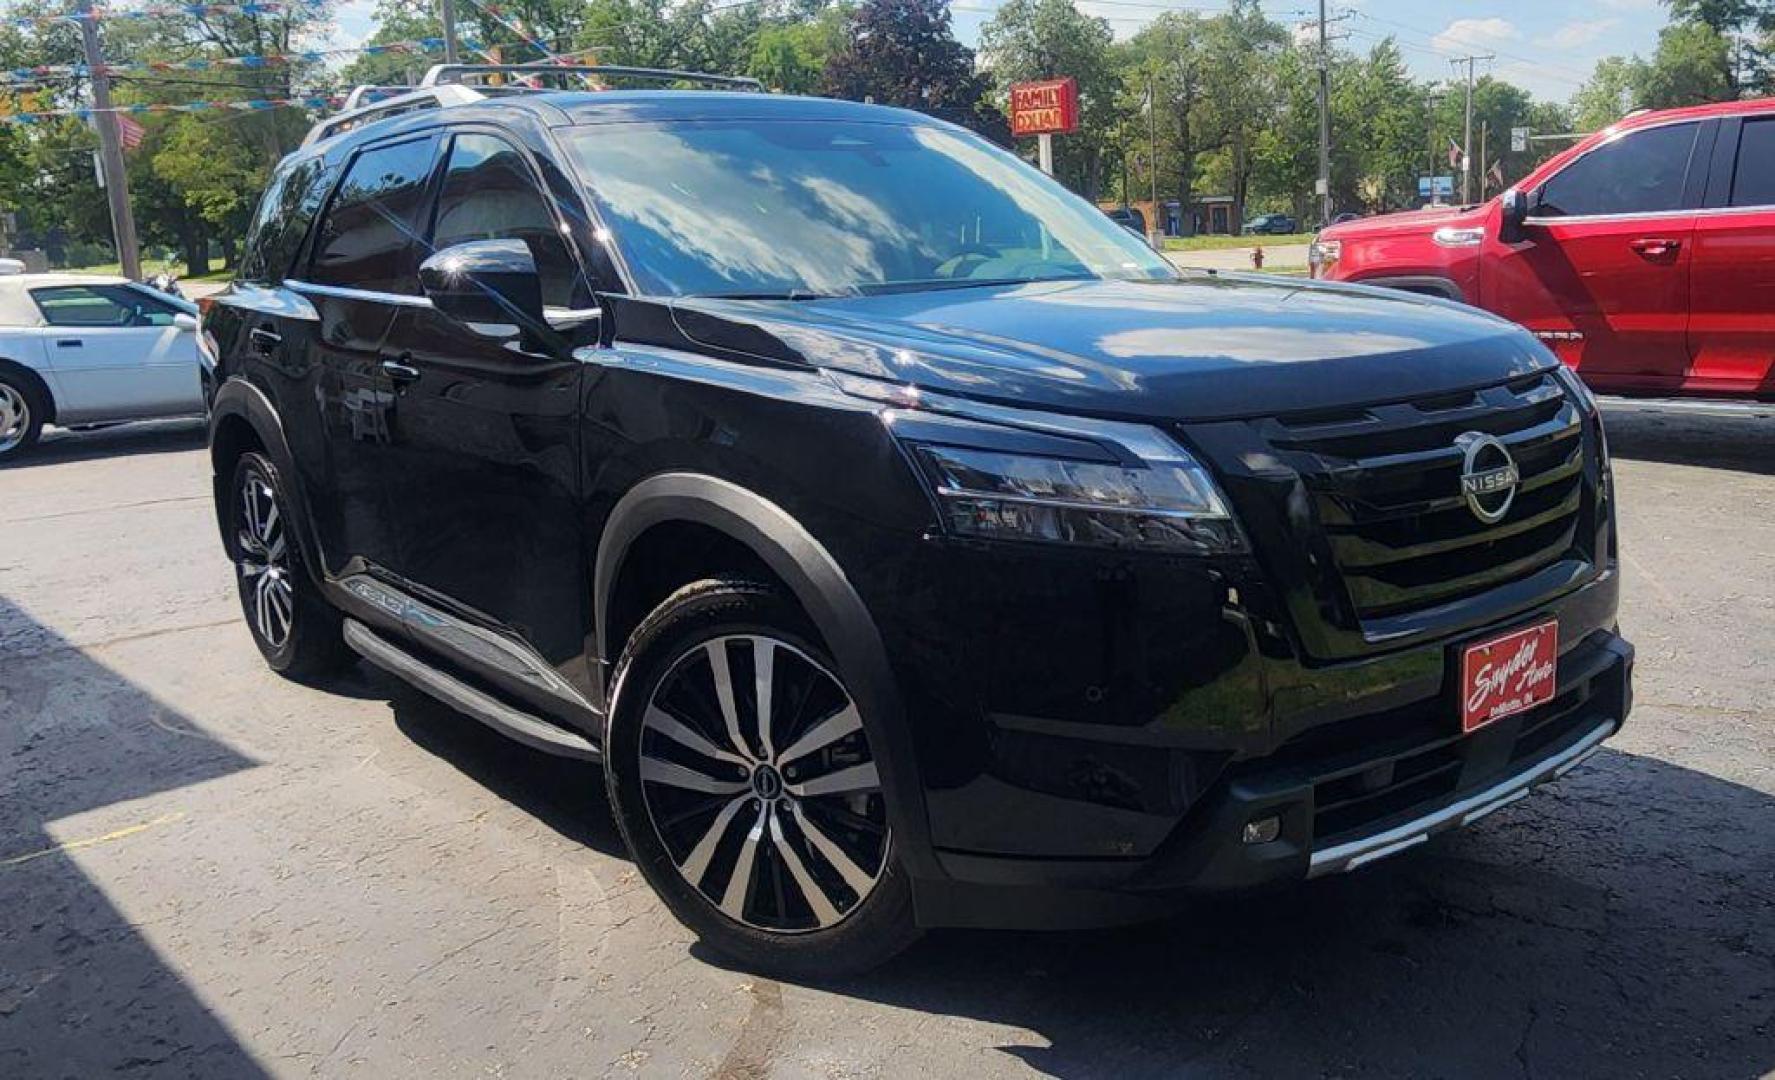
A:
(1467, 134)
(1484, 176)
(1153, 230)
(447, 15)
(1324, 122)
(123, 222)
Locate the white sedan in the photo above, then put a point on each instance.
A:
(79, 349)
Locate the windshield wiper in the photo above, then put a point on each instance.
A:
(931, 284)
(792, 294)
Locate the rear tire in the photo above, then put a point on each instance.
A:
(22, 411)
(766, 837)
(297, 631)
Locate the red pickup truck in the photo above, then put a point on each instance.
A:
(1644, 255)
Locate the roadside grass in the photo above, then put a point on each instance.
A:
(1219, 243)
(154, 266)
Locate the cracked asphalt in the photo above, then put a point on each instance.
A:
(208, 871)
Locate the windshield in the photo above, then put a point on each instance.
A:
(820, 208)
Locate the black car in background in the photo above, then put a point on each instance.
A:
(1272, 225)
(910, 544)
(1128, 218)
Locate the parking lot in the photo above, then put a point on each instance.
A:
(208, 871)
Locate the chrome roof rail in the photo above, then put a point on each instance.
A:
(409, 99)
(459, 74)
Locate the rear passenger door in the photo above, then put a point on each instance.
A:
(1732, 318)
(362, 273)
(483, 436)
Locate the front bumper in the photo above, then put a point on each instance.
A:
(1342, 798)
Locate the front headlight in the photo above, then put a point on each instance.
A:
(1162, 506)
(1322, 255)
(1576, 389)
(1587, 404)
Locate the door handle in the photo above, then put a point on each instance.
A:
(69, 343)
(398, 370)
(265, 340)
(1655, 247)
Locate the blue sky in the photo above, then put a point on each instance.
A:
(1548, 46)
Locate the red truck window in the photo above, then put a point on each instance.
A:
(1754, 182)
(1640, 172)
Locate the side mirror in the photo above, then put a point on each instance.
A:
(1513, 216)
(486, 283)
(184, 321)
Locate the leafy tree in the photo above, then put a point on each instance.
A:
(792, 57)
(1691, 66)
(1165, 69)
(902, 52)
(1045, 39)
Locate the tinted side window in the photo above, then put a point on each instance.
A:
(488, 194)
(1642, 172)
(369, 237)
(1753, 183)
(282, 221)
(100, 306)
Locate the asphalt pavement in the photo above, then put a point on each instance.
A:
(206, 870)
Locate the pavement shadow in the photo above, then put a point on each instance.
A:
(1743, 441)
(1607, 927)
(82, 992)
(61, 446)
(565, 794)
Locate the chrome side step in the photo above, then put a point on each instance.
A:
(513, 723)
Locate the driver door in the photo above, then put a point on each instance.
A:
(483, 430)
(1602, 272)
(117, 353)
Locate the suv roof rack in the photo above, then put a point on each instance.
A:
(459, 84)
(362, 106)
(460, 74)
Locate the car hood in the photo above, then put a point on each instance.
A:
(1407, 221)
(1200, 347)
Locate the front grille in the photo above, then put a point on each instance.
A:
(1385, 486)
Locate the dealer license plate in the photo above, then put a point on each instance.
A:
(1508, 674)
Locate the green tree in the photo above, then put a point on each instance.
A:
(1692, 66)
(792, 56)
(903, 52)
(1047, 39)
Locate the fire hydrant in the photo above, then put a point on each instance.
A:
(1257, 257)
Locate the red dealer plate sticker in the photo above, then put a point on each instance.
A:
(1508, 674)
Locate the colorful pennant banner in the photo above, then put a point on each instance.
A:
(268, 60)
(309, 101)
(165, 11)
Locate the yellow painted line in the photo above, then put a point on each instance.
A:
(91, 841)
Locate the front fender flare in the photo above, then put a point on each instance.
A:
(823, 591)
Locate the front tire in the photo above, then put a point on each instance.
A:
(765, 831)
(297, 631)
(21, 416)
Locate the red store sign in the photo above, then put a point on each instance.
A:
(1049, 107)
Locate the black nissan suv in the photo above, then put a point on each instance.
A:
(910, 544)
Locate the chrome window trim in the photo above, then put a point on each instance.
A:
(346, 293)
(1611, 135)
(1642, 215)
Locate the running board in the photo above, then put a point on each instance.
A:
(513, 723)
